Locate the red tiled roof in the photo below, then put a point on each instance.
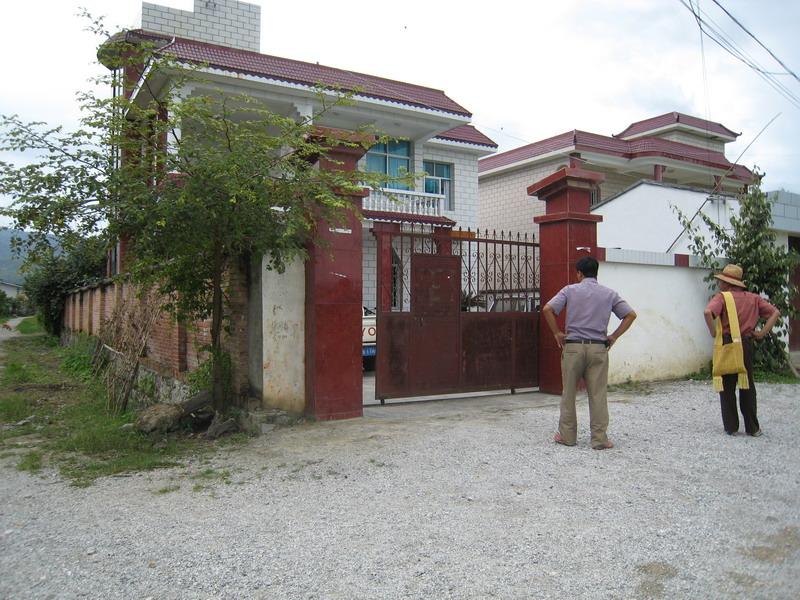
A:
(582, 141)
(393, 217)
(310, 74)
(522, 153)
(467, 134)
(672, 118)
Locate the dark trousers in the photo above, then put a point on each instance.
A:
(747, 398)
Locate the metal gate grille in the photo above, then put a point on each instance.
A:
(457, 312)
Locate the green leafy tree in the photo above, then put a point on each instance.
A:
(52, 277)
(751, 244)
(198, 182)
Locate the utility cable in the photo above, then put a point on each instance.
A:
(772, 54)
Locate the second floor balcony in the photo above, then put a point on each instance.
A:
(405, 202)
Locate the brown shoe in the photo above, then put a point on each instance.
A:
(608, 445)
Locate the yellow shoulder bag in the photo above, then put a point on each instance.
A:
(728, 359)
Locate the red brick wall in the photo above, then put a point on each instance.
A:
(173, 349)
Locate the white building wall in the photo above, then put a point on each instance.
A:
(283, 335)
(644, 217)
(465, 182)
(224, 22)
(669, 337)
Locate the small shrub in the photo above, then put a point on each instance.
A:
(199, 380)
(77, 358)
(146, 388)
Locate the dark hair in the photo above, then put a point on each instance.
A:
(587, 265)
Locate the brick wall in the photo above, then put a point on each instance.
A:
(174, 349)
(224, 22)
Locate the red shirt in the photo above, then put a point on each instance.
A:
(749, 307)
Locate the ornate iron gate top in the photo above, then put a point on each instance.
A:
(499, 272)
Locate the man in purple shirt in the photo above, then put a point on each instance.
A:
(584, 348)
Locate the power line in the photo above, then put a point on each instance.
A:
(717, 35)
(735, 20)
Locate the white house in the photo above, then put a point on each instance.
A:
(433, 131)
(432, 138)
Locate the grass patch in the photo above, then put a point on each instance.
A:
(76, 359)
(14, 409)
(73, 432)
(213, 475)
(32, 462)
(30, 325)
(634, 387)
(701, 375)
(770, 377)
(758, 375)
(167, 490)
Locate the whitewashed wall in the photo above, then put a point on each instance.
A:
(283, 337)
(644, 218)
(669, 337)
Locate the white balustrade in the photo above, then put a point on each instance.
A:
(404, 202)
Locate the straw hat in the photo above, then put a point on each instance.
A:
(731, 274)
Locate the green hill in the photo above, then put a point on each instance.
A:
(9, 264)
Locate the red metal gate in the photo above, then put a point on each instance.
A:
(457, 312)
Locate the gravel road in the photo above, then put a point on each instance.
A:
(456, 499)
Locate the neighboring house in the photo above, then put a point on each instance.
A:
(12, 290)
(672, 148)
(644, 219)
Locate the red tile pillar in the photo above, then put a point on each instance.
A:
(567, 231)
(333, 307)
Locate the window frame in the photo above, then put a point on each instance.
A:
(387, 155)
(449, 195)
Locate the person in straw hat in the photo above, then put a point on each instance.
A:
(749, 308)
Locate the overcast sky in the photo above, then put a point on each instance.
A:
(526, 70)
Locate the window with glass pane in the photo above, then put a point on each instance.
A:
(439, 180)
(393, 159)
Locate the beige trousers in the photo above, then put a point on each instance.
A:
(590, 362)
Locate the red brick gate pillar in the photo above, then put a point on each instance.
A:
(567, 231)
(333, 308)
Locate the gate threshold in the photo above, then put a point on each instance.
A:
(370, 400)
